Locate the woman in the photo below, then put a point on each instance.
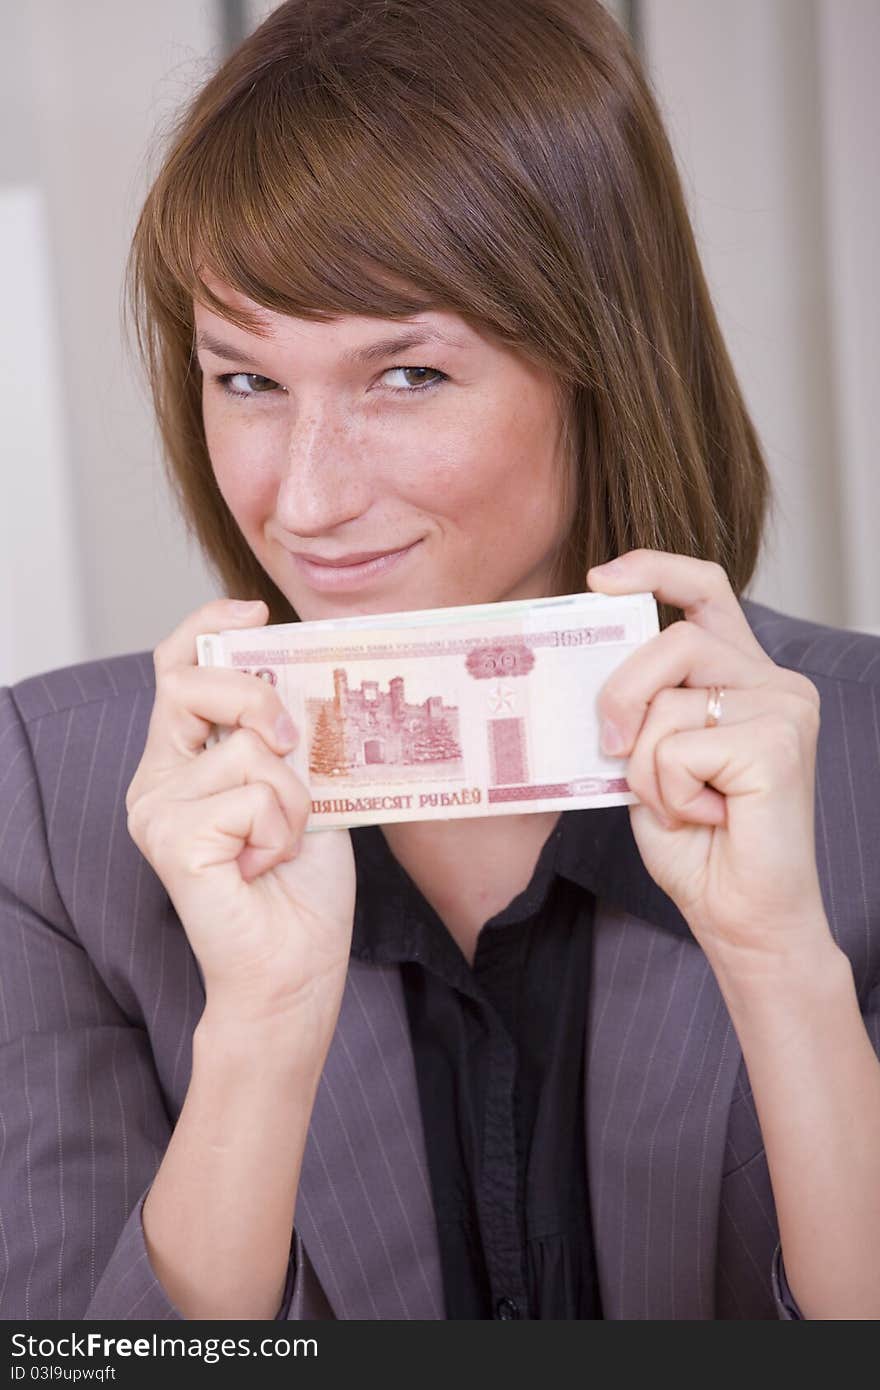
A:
(606, 1063)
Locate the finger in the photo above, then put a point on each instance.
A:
(674, 711)
(244, 824)
(191, 699)
(680, 655)
(700, 588)
(241, 759)
(761, 760)
(179, 647)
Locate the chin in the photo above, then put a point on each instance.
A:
(407, 598)
(314, 608)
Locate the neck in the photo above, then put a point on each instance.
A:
(470, 869)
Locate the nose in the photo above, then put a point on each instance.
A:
(326, 479)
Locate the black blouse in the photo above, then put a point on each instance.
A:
(499, 1053)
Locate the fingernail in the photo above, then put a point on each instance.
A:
(286, 731)
(611, 738)
(241, 607)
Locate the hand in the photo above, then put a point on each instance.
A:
(268, 910)
(725, 824)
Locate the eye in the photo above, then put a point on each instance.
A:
(224, 382)
(422, 386)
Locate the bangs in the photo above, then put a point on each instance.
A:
(315, 201)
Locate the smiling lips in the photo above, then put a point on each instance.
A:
(358, 557)
(349, 571)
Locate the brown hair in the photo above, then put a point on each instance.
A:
(503, 159)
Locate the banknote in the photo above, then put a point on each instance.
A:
(480, 710)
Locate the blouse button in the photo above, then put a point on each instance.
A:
(506, 1308)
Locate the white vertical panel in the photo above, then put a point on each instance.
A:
(40, 597)
(849, 48)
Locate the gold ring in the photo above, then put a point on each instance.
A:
(713, 708)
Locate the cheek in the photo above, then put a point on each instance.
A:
(241, 469)
(504, 473)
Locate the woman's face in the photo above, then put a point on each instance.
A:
(445, 453)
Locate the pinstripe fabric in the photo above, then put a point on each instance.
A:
(100, 993)
(663, 1061)
(364, 1204)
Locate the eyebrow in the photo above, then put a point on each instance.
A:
(372, 352)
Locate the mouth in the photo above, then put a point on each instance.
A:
(350, 572)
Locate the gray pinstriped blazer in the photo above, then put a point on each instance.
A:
(100, 993)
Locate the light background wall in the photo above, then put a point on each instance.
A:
(772, 109)
(83, 90)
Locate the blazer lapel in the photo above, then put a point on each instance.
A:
(662, 1063)
(364, 1210)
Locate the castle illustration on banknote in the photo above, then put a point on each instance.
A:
(371, 727)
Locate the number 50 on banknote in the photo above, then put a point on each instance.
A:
(446, 712)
